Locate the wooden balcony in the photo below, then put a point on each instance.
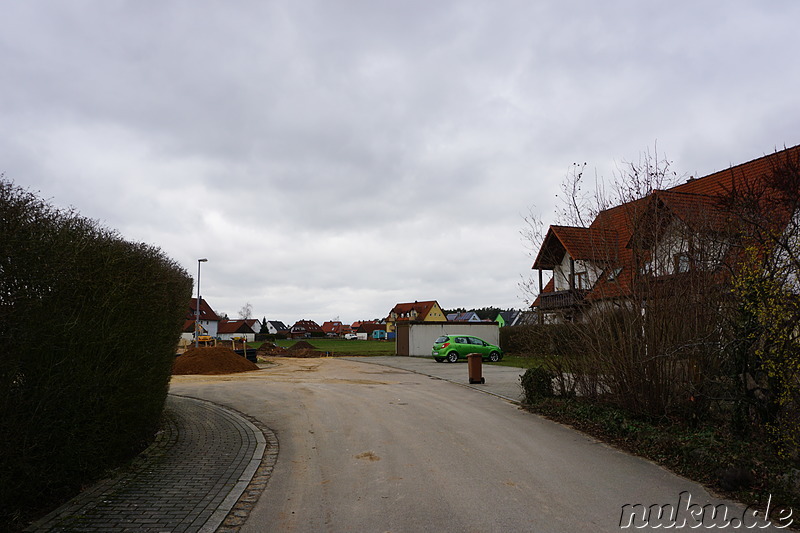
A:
(562, 299)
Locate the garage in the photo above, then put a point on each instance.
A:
(416, 338)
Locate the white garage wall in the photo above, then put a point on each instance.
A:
(421, 336)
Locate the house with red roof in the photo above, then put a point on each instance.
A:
(687, 229)
(207, 324)
(427, 311)
(335, 328)
(303, 329)
(367, 330)
(231, 329)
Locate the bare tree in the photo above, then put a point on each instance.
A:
(246, 312)
(645, 339)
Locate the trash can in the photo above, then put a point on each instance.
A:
(474, 361)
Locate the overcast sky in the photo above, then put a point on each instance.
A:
(332, 158)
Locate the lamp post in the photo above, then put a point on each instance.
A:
(197, 306)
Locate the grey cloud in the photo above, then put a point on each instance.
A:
(337, 155)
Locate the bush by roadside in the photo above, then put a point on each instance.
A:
(743, 469)
(89, 324)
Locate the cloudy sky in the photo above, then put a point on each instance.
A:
(332, 158)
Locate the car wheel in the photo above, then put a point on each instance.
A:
(439, 359)
(452, 357)
(494, 357)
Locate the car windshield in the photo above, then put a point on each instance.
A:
(440, 340)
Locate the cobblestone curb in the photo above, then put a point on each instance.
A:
(241, 510)
(205, 461)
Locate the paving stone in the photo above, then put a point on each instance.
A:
(203, 458)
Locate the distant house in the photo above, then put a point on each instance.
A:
(371, 330)
(335, 328)
(255, 324)
(208, 320)
(428, 311)
(230, 329)
(355, 325)
(304, 329)
(469, 316)
(508, 318)
(275, 327)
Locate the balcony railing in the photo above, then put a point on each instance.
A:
(562, 299)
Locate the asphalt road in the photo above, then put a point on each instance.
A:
(365, 447)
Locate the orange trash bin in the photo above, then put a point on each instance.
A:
(474, 362)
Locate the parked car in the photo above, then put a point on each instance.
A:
(454, 347)
(350, 336)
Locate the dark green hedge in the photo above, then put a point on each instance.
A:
(88, 328)
(541, 339)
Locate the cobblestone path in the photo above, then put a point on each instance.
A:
(187, 481)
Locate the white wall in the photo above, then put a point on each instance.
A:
(210, 326)
(561, 273)
(421, 336)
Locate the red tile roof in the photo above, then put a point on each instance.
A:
(335, 327)
(608, 239)
(206, 313)
(305, 325)
(235, 326)
(404, 310)
(370, 327)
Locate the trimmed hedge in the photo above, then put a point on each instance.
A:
(541, 339)
(89, 324)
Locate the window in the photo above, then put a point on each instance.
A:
(614, 274)
(581, 281)
(681, 263)
(477, 342)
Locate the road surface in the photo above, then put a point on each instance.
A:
(368, 448)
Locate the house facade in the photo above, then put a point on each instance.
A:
(427, 311)
(667, 238)
(335, 328)
(233, 329)
(275, 327)
(303, 329)
(207, 324)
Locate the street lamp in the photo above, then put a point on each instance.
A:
(197, 306)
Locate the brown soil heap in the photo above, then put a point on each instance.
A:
(298, 349)
(214, 360)
(268, 349)
(301, 345)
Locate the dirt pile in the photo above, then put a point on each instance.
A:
(301, 345)
(298, 349)
(214, 360)
(268, 348)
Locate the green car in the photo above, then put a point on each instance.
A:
(453, 347)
